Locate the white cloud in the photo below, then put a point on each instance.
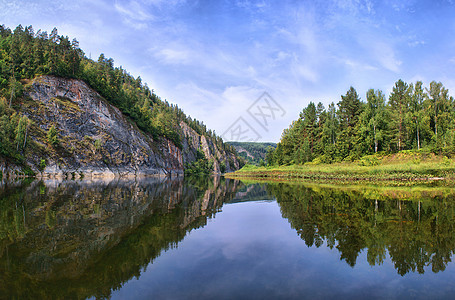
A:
(240, 97)
(10, 8)
(386, 57)
(196, 96)
(133, 10)
(351, 8)
(282, 55)
(414, 41)
(85, 36)
(220, 109)
(355, 65)
(369, 6)
(173, 56)
(306, 72)
(134, 14)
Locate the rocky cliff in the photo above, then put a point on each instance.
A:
(193, 141)
(95, 139)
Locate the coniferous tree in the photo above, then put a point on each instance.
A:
(399, 104)
(350, 108)
(373, 121)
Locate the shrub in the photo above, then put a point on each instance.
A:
(42, 164)
(369, 160)
(52, 136)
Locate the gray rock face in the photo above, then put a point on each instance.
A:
(192, 141)
(95, 138)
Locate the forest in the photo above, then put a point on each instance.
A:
(413, 117)
(253, 152)
(26, 54)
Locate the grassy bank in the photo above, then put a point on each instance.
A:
(403, 168)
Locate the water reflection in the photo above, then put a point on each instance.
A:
(88, 238)
(83, 239)
(415, 227)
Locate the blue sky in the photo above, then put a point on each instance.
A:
(215, 58)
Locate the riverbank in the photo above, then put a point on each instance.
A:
(403, 168)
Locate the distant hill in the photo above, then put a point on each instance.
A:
(253, 153)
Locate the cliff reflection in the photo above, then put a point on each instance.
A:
(414, 227)
(83, 239)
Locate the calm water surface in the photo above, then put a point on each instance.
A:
(206, 239)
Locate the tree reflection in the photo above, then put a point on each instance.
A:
(85, 239)
(415, 228)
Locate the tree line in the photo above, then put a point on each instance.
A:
(25, 54)
(413, 117)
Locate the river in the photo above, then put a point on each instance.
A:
(217, 238)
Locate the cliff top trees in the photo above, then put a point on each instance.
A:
(25, 54)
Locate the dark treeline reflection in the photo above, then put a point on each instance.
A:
(415, 228)
(84, 239)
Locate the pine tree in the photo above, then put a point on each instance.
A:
(399, 104)
(349, 108)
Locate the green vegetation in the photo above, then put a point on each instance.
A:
(26, 54)
(409, 137)
(76, 264)
(52, 136)
(201, 167)
(253, 153)
(403, 168)
(413, 118)
(13, 131)
(42, 164)
(416, 232)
